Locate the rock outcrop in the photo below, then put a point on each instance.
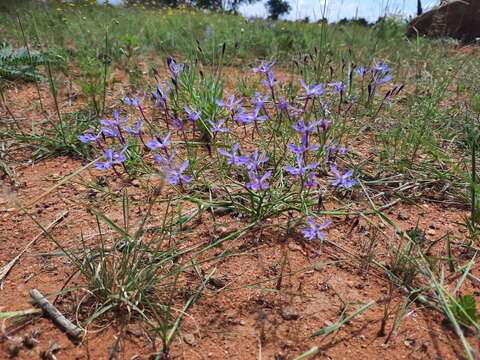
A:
(459, 19)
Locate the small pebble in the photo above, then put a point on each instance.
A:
(289, 313)
(222, 230)
(403, 216)
(190, 339)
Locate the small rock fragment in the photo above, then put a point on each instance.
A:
(189, 339)
(403, 216)
(318, 267)
(289, 313)
(410, 343)
(431, 232)
(14, 347)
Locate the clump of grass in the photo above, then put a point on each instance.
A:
(52, 138)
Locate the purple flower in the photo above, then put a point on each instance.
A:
(160, 96)
(231, 104)
(302, 148)
(110, 132)
(265, 67)
(338, 87)
(314, 231)
(258, 182)
(324, 125)
(175, 69)
(116, 122)
(380, 68)
(111, 158)
(177, 123)
(244, 118)
(270, 81)
(135, 131)
(344, 179)
(361, 71)
(88, 137)
(313, 90)
(334, 149)
(283, 105)
(192, 115)
(301, 169)
(304, 128)
(232, 157)
(132, 101)
(218, 127)
(174, 174)
(381, 74)
(165, 160)
(159, 143)
(259, 100)
(311, 180)
(382, 79)
(256, 161)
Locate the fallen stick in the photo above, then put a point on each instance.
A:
(6, 269)
(57, 317)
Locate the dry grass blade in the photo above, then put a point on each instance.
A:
(6, 269)
(60, 183)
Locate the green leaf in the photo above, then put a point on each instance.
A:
(465, 309)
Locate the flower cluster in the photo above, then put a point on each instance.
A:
(118, 136)
(252, 165)
(301, 127)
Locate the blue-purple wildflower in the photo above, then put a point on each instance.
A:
(258, 182)
(313, 90)
(338, 87)
(270, 81)
(256, 161)
(314, 231)
(231, 104)
(302, 148)
(264, 67)
(218, 127)
(361, 71)
(193, 116)
(165, 160)
(135, 101)
(174, 175)
(345, 180)
(88, 137)
(112, 158)
(232, 157)
(134, 131)
(259, 100)
(301, 169)
(175, 69)
(160, 96)
(159, 142)
(302, 127)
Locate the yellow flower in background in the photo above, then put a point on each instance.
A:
(170, 12)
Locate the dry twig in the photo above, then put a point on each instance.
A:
(57, 317)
